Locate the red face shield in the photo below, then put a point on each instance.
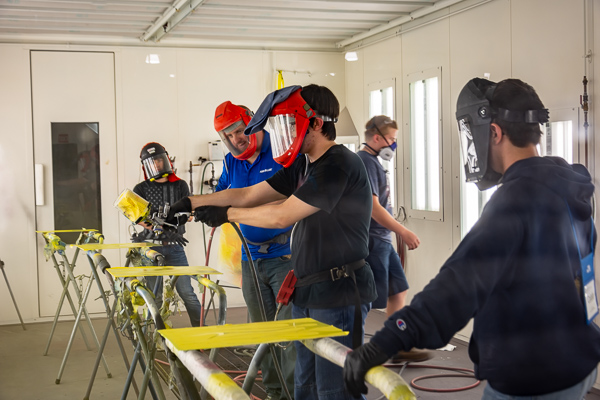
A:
(230, 121)
(287, 124)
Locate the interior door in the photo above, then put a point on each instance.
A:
(73, 100)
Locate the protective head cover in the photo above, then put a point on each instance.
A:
(155, 161)
(229, 118)
(474, 114)
(288, 116)
(288, 123)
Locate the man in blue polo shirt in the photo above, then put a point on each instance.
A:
(250, 161)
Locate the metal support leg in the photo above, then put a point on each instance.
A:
(65, 283)
(12, 295)
(68, 350)
(101, 350)
(109, 313)
(82, 306)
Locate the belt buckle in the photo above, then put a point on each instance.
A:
(338, 273)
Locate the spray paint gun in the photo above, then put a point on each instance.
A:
(137, 210)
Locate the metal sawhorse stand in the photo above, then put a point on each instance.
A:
(67, 278)
(12, 295)
(55, 245)
(147, 343)
(97, 261)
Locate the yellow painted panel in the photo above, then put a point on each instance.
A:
(69, 230)
(208, 337)
(127, 272)
(104, 246)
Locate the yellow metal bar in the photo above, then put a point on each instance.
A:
(127, 272)
(208, 337)
(216, 382)
(103, 246)
(388, 382)
(69, 230)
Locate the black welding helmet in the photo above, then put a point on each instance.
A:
(474, 115)
(155, 161)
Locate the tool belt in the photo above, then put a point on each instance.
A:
(282, 238)
(334, 274)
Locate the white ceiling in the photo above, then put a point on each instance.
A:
(263, 24)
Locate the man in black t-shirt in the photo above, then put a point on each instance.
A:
(326, 193)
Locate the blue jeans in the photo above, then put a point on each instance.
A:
(271, 272)
(576, 392)
(175, 257)
(316, 377)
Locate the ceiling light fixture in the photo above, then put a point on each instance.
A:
(351, 56)
(152, 59)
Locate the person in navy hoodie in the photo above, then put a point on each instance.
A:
(250, 161)
(524, 272)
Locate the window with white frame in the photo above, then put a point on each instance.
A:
(557, 140)
(473, 201)
(381, 102)
(424, 111)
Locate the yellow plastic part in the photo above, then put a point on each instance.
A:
(69, 230)
(53, 244)
(134, 207)
(208, 337)
(103, 246)
(127, 272)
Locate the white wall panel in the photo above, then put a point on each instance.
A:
(17, 206)
(548, 49)
(424, 49)
(73, 87)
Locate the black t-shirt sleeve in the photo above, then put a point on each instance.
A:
(324, 187)
(285, 181)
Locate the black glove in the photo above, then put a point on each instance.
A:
(137, 238)
(357, 363)
(182, 206)
(212, 216)
(173, 237)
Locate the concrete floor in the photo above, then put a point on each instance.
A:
(26, 374)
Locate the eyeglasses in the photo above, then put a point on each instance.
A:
(381, 134)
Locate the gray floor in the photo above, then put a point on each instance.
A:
(26, 374)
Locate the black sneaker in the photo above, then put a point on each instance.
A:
(413, 355)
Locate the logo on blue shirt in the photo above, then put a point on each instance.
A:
(262, 171)
(401, 324)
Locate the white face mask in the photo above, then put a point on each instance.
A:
(386, 153)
